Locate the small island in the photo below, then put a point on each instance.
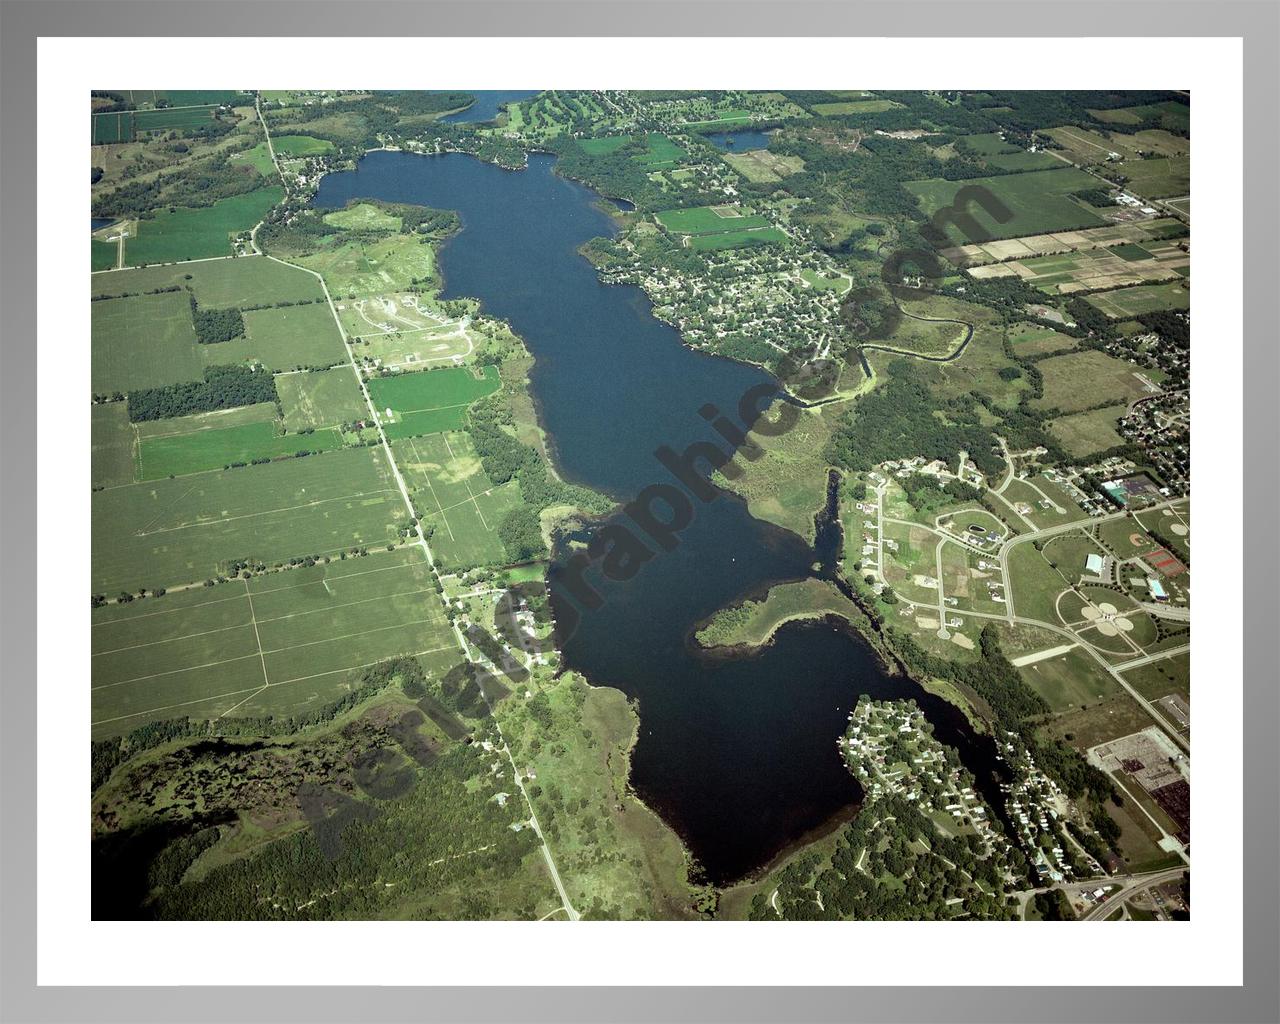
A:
(754, 623)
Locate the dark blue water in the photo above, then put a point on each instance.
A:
(738, 754)
(101, 222)
(738, 142)
(485, 108)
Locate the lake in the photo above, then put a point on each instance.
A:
(485, 108)
(738, 142)
(737, 754)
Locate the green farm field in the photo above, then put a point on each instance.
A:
(1127, 302)
(142, 341)
(738, 239)
(206, 450)
(111, 435)
(300, 145)
(430, 401)
(853, 107)
(709, 220)
(189, 234)
(291, 338)
(169, 532)
(320, 398)
(219, 284)
(1037, 201)
(277, 644)
(450, 490)
(1079, 380)
(103, 255)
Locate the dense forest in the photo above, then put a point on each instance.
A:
(223, 387)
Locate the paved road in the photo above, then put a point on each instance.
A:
(467, 651)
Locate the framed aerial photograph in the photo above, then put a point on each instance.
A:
(545, 501)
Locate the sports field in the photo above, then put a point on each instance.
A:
(180, 454)
(190, 234)
(1127, 302)
(430, 401)
(320, 398)
(142, 341)
(219, 284)
(1037, 201)
(168, 532)
(275, 644)
(283, 339)
(454, 496)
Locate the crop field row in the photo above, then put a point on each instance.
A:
(1035, 201)
(1128, 302)
(1115, 267)
(430, 401)
(450, 490)
(1157, 229)
(163, 533)
(218, 284)
(191, 234)
(213, 449)
(273, 644)
(738, 239)
(709, 220)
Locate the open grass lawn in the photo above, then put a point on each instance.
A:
(1036, 584)
(219, 419)
(219, 284)
(362, 268)
(455, 498)
(300, 145)
(852, 107)
(1161, 678)
(1070, 680)
(430, 401)
(103, 255)
(259, 158)
(1032, 339)
(1126, 538)
(1088, 432)
(320, 398)
(206, 450)
(290, 640)
(709, 220)
(169, 532)
(738, 239)
(189, 234)
(1022, 161)
(1078, 380)
(1037, 201)
(111, 436)
(1101, 721)
(1158, 177)
(1171, 114)
(604, 145)
(788, 485)
(142, 341)
(1123, 303)
(363, 217)
(987, 144)
(283, 339)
